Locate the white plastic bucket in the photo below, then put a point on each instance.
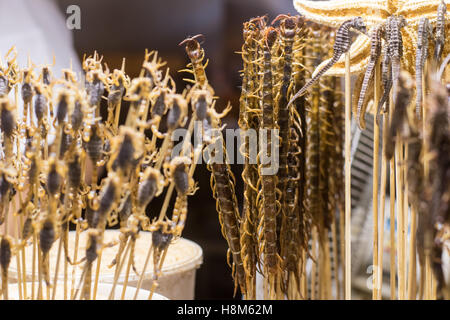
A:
(178, 271)
(103, 291)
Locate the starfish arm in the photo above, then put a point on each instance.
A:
(334, 13)
(446, 51)
(414, 10)
(409, 36)
(359, 58)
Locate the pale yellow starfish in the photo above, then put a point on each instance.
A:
(374, 12)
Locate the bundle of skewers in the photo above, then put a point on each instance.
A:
(295, 226)
(65, 167)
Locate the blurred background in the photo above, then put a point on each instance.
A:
(117, 29)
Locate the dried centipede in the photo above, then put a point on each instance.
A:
(248, 120)
(196, 54)
(227, 208)
(268, 191)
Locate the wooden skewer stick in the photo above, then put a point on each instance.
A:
(314, 265)
(19, 278)
(412, 257)
(24, 269)
(141, 278)
(97, 275)
(19, 269)
(118, 107)
(348, 199)
(75, 257)
(39, 293)
(118, 271)
(154, 285)
(342, 248)
(304, 280)
(405, 219)
(382, 209)
(33, 271)
(58, 257)
(393, 270)
(376, 152)
(335, 259)
(66, 266)
(400, 220)
(127, 272)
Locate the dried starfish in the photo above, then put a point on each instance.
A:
(374, 12)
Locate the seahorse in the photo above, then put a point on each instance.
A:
(341, 45)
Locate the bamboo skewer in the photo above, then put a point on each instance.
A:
(412, 257)
(348, 293)
(393, 270)
(376, 151)
(382, 208)
(55, 279)
(342, 248)
(315, 263)
(19, 276)
(118, 271)
(33, 271)
(405, 220)
(118, 107)
(75, 257)
(335, 259)
(141, 278)
(24, 274)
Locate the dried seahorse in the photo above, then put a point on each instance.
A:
(393, 27)
(375, 52)
(386, 81)
(341, 46)
(440, 30)
(423, 34)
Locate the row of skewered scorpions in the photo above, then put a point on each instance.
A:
(81, 138)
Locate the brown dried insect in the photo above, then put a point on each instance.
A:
(184, 184)
(6, 248)
(196, 54)
(93, 247)
(8, 126)
(47, 236)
